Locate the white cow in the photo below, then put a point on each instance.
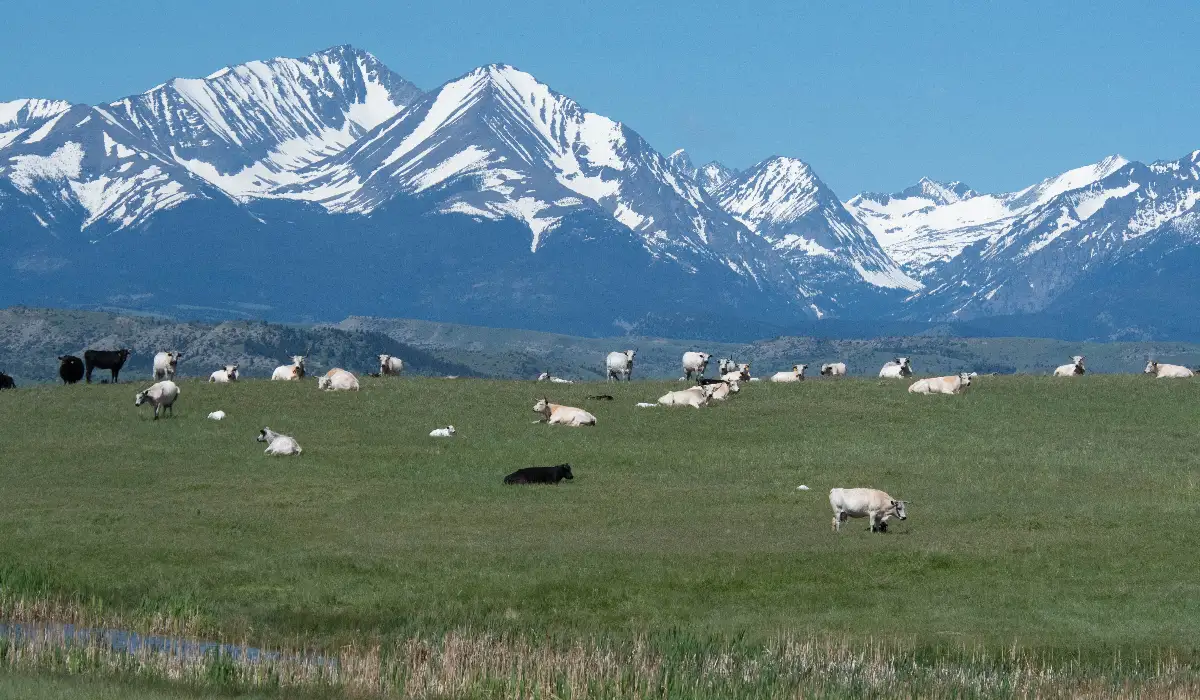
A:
(555, 414)
(547, 377)
(338, 379)
(161, 395)
(164, 364)
(225, 375)
(390, 365)
(941, 385)
(736, 373)
(724, 389)
(726, 365)
(278, 444)
(896, 369)
(833, 369)
(796, 375)
(865, 503)
(290, 373)
(1076, 367)
(696, 397)
(1162, 371)
(448, 431)
(695, 363)
(620, 365)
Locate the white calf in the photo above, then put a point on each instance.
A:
(1076, 367)
(290, 373)
(620, 365)
(865, 503)
(1162, 371)
(225, 375)
(833, 369)
(896, 369)
(796, 375)
(941, 385)
(338, 379)
(278, 444)
(390, 365)
(555, 414)
(547, 377)
(165, 363)
(695, 363)
(161, 395)
(448, 431)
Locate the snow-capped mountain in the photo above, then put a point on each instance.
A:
(785, 203)
(248, 128)
(711, 176)
(930, 223)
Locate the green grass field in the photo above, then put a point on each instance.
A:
(1053, 518)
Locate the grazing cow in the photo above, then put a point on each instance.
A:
(6, 382)
(161, 395)
(898, 368)
(555, 414)
(70, 368)
(796, 375)
(540, 475)
(225, 375)
(547, 377)
(620, 365)
(112, 360)
(389, 365)
(448, 431)
(1163, 371)
(941, 385)
(865, 503)
(695, 363)
(277, 443)
(290, 373)
(165, 364)
(1076, 367)
(338, 379)
(696, 397)
(833, 369)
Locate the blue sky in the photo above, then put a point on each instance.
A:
(873, 95)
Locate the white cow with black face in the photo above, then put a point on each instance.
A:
(620, 365)
(290, 373)
(833, 369)
(390, 365)
(796, 375)
(1074, 369)
(278, 444)
(898, 368)
(225, 375)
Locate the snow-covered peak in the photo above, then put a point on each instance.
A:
(248, 128)
(938, 192)
(18, 113)
(713, 176)
(1074, 179)
(776, 190)
(682, 162)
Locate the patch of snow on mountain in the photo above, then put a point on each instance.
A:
(470, 159)
(1090, 203)
(64, 163)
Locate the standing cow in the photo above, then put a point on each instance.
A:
(165, 364)
(70, 368)
(865, 503)
(695, 363)
(112, 360)
(620, 365)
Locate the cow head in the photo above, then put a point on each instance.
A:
(542, 406)
(450, 429)
(263, 435)
(826, 369)
(965, 379)
(544, 377)
(799, 369)
(734, 387)
(1078, 360)
(324, 382)
(900, 510)
(141, 397)
(629, 355)
(383, 360)
(565, 470)
(124, 354)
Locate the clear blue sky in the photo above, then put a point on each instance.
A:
(873, 95)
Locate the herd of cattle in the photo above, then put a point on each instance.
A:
(873, 504)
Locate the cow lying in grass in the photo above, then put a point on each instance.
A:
(555, 414)
(540, 475)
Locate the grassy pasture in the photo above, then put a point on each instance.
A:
(1055, 516)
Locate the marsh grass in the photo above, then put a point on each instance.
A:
(1048, 550)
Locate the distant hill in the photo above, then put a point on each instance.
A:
(31, 340)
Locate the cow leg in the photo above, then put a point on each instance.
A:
(837, 522)
(89, 374)
(115, 373)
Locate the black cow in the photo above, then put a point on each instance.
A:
(70, 368)
(6, 382)
(601, 397)
(112, 360)
(540, 475)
